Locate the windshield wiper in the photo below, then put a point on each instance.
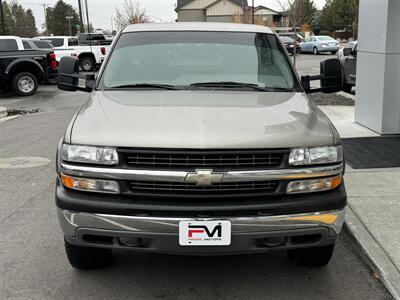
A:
(231, 84)
(145, 85)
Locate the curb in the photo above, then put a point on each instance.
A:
(374, 254)
(3, 112)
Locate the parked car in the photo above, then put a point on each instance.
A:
(290, 44)
(10, 43)
(318, 44)
(93, 39)
(351, 45)
(349, 64)
(90, 57)
(198, 138)
(32, 44)
(23, 70)
(299, 37)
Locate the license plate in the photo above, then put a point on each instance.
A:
(204, 233)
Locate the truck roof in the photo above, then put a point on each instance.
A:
(197, 26)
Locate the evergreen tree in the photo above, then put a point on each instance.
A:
(339, 15)
(56, 19)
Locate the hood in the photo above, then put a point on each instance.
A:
(200, 119)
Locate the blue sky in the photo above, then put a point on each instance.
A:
(102, 11)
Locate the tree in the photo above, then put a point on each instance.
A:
(18, 21)
(56, 19)
(131, 13)
(339, 15)
(299, 12)
(7, 18)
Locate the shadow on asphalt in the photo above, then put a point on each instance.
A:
(260, 276)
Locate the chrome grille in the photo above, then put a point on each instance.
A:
(219, 160)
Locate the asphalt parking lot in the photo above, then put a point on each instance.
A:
(32, 260)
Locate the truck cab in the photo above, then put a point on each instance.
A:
(199, 139)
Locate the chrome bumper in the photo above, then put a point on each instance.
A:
(164, 231)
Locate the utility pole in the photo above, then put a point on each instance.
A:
(69, 18)
(252, 12)
(87, 17)
(82, 25)
(3, 22)
(45, 14)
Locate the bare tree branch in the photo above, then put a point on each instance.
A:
(130, 13)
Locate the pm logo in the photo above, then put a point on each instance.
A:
(205, 233)
(201, 229)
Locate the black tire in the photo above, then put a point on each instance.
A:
(347, 88)
(25, 84)
(315, 51)
(311, 257)
(333, 52)
(85, 258)
(87, 64)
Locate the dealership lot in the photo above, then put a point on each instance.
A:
(34, 265)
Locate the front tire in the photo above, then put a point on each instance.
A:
(87, 64)
(315, 51)
(84, 258)
(25, 84)
(311, 257)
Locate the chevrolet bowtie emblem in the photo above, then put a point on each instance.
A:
(204, 177)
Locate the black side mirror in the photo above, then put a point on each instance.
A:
(69, 78)
(347, 51)
(331, 77)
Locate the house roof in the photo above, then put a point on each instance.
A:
(182, 3)
(264, 7)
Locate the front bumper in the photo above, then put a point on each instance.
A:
(158, 234)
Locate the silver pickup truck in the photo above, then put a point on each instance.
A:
(198, 138)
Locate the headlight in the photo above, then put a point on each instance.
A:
(90, 185)
(315, 185)
(89, 154)
(315, 156)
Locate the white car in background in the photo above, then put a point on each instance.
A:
(90, 57)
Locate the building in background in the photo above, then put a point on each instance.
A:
(211, 10)
(231, 11)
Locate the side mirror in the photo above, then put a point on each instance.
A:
(69, 78)
(331, 77)
(347, 51)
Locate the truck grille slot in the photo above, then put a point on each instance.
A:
(192, 159)
(193, 189)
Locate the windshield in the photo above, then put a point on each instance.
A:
(190, 59)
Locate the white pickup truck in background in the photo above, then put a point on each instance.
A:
(90, 57)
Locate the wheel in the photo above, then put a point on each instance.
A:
(87, 64)
(315, 51)
(25, 84)
(333, 52)
(87, 258)
(311, 257)
(347, 88)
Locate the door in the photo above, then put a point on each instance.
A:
(306, 46)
